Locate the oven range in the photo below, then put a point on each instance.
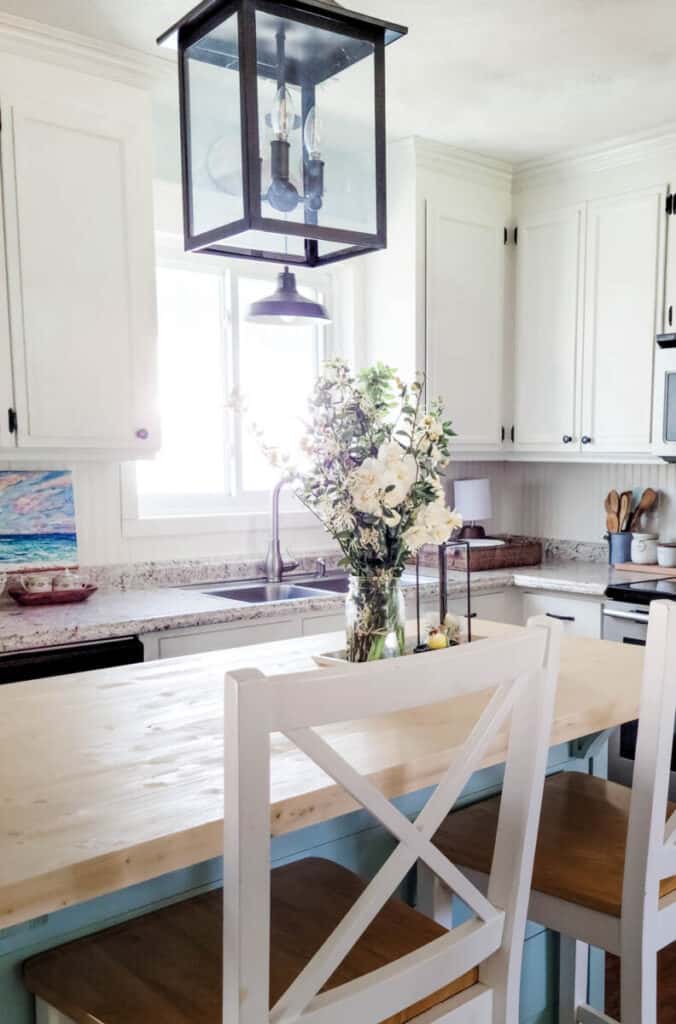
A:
(625, 620)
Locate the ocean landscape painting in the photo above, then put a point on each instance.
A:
(37, 518)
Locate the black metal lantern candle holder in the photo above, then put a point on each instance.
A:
(282, 129)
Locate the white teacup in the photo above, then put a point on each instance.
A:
(37, 583)
(68, 580)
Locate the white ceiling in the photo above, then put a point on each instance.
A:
(518, 80)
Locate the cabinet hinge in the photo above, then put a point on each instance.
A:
(669, 204)
(11, 420)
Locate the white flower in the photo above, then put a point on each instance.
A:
(342, 521)
(369, 537)
(393, 518)
(433, 525)
(366, 484)
(400, 471)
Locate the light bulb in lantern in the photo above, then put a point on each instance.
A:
(312, 134)
(282, 116)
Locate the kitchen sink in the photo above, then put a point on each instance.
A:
(263, 593)
(334, 584)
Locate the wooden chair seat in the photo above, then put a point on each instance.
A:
(581, 840)
(165, 967)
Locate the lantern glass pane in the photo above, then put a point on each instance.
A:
(214, 128)
(316, 121)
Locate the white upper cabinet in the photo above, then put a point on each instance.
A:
(77, 178)
(465, 320)
(548, 327)
(6, 383)
(623, 307)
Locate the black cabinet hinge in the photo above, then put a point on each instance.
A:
(669, 205)
(11, 420)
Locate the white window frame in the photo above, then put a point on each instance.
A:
(242, 511)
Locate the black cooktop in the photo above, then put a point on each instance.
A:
(643, 591)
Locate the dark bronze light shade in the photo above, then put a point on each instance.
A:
(287, 307)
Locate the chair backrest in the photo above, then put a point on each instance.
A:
(521, 671)
(651, 845)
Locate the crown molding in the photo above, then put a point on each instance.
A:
(34, 39)
(484, 170)
(627, 150)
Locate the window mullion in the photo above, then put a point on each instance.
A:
(237, 453)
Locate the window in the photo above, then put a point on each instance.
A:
(209, 355)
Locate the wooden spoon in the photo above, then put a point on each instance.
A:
(648, 499)
(612, 507)
(625, 510)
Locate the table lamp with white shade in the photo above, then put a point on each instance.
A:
(473, 502)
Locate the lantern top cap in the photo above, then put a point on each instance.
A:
(327, 7)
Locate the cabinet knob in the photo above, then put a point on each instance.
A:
(142, 434)
(566, 439)
(586, 439)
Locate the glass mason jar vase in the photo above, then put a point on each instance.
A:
(375, 618)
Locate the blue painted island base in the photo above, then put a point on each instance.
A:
(352, 840)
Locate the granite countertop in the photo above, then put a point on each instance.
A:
(114, 613)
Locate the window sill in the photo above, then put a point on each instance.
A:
(226, 522)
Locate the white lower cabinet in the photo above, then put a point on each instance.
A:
(499, 606)
(581, 616)
(217, 638)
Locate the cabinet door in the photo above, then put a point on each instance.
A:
(78, 205)
(579, 617)
(624, 294)
(224, 638)
(7, 439)
(465, 322)
(548, 325)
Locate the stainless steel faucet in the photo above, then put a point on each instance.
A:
(275, 566)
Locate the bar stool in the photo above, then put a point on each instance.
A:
(605, 864)
(310, 941)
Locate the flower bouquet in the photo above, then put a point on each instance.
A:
(374, 457)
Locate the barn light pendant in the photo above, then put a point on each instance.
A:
(282, 113)
(287, 307)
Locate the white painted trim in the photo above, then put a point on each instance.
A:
(37, 40)
(462, 163)
(620, 152)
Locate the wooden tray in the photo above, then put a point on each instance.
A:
(651, 570)
(48, 597)
(512, 553)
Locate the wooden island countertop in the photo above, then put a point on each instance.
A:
(114, 777)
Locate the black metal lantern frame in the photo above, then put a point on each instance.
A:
(367, 36)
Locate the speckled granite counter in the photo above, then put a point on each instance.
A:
(115, 613)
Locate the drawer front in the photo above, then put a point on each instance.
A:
(315, 624)
(579, 617)
(223, 639)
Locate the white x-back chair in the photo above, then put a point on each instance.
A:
(514, 680)
(605, 865)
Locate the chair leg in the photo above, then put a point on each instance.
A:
(573, 978)
(638, 986)
(433, 898)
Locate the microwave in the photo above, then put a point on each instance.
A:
(665, 397)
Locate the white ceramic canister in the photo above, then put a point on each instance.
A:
(644, 548)
(666, 554)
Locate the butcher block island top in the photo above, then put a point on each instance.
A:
(114, 777)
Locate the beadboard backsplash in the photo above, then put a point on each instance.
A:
(565, 501)
(540, 499)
